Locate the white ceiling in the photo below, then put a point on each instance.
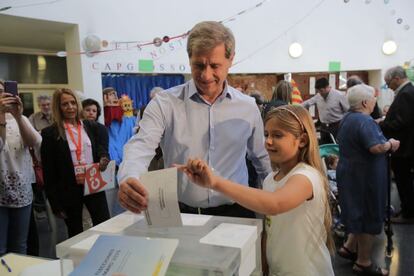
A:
(23, 32)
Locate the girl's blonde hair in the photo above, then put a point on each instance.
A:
(296, 120)
(57, 114)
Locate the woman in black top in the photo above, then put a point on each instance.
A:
(67, 146)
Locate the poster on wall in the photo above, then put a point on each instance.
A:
(342, 80)
(288, 77)
(332, 81)
(312, 86)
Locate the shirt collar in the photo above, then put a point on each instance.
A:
(193, 92)
(401, 87)
(80, 122)
(44, 116)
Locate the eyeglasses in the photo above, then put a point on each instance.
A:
(388, 82)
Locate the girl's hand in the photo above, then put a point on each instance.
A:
(198, 172)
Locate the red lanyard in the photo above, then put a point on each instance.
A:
(79, 144)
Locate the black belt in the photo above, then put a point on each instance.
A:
(334, 124)
(195, 210)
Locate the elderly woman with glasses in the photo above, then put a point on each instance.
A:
(362, 178)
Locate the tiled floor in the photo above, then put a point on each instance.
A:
(401, 264)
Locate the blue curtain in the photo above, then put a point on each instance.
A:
(138, 87)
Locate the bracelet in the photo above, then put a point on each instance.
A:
(3, 124)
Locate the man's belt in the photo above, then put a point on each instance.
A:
(335, 124)
(195, 210)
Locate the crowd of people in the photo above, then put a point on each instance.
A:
(208, 130)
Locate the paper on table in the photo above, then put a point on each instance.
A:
(50, 268)
(229, 234)
(18, 263)
(125, 255)
(163, 210)
(118, 223)
(194, 220)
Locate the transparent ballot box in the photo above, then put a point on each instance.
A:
(191, 257)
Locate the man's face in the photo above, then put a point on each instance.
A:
(209, 71)
(324, 91)
(392, 83)
(44, 106)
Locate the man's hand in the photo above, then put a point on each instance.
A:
(133, 196)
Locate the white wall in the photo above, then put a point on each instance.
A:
(351, 33)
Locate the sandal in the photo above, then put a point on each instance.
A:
(371, 270)
(347, 254)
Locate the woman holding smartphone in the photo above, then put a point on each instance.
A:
(16, 172)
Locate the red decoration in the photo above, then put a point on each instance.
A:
(94, 179)
(112, 113)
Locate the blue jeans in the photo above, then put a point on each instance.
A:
(14, 227)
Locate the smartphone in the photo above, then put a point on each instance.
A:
(11, 87)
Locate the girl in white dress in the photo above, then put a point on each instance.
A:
(294, 198)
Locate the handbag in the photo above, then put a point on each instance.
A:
(38, 170)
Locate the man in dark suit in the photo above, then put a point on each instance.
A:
(399, 124)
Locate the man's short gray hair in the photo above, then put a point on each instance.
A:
(43, 98)
(394, 72)
(205, 36)
(353, 80)
(359, 93)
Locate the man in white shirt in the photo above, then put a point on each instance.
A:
(204, 118)
(332, 106)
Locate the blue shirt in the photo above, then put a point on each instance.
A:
(187, 126)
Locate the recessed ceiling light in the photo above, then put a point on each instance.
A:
(389, 47)
(295, 50)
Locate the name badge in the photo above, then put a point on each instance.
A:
(80, 174)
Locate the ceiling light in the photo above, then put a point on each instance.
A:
(389, 47)
(295, 50)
